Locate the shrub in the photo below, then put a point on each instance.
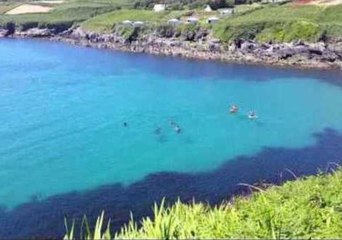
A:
(306, 208)
(286, 32)
(165, 30)
(188, 31)
(130, 33)
(27, 25)
(244, 31)
(10, 27)
(216, 4)
(59, 26)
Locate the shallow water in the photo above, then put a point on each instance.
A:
(63, 108)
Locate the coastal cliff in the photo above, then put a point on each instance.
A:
(200, 45)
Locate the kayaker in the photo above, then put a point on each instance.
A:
(252, 115)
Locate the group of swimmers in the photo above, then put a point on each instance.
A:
(175, 126)
(251, 115)
(233, 109)
(158, 130)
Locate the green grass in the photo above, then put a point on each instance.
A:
(246, 8)
(69, 13)
(264, 23)
(307, 208)
(105, 22)
(283, 24)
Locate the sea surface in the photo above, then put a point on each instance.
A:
(83, 130)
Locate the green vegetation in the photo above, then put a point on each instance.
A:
(307, 208)
(4, 7)
(64, 15)
(246, 8)
(182, 4)
(105, 22)
(283, 24)
(264, 23)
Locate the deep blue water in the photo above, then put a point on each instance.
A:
(64, 148)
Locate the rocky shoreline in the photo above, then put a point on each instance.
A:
(323, 55)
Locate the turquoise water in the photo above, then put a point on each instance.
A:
(63, 108)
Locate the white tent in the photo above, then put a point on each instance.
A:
(127, 23)
(159, 7)
(212, 20)
(174, 21)
(208, 9)
(138, 24)
(226, 11)
(192, 20)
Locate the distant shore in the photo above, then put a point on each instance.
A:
(320, 55)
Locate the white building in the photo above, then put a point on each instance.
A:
(273, 1)
(212, 20)
(159, 7)
(138, 24)
(226, 11)
(192, 20)
(174, 21)
(208, 9)
(127, 23)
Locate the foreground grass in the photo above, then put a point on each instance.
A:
(306, 208)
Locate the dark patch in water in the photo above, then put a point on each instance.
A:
(45, 218)
(193, 69)
(177, 68)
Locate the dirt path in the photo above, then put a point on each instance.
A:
(327, 2)
(28, 8)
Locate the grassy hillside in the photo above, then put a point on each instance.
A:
(64, 15)
(4, 7)
(264, 23)
(284, 23)
(105, 22)
(306, 208)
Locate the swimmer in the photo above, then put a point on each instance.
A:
(252, 115)
(172, 123)
(177, 129)
(158, 131)
(233, 109)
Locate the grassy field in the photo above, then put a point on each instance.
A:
(283, 23)
(64, 15)
(105, 22)
(264, 23)
(305, 208)
(5, 6)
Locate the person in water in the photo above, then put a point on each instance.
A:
(158, 131)
(172, 123)
(125, 124)
(177, 129)
(252, 115)
(234, 108)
